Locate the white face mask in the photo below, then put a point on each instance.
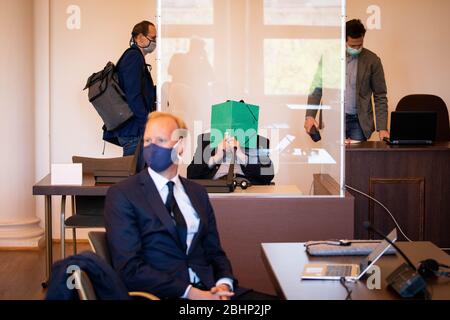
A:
(150, 48)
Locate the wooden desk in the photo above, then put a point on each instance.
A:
(88, 188)
(285, 263)
(247, 220)
(45, 188)
(412, 181)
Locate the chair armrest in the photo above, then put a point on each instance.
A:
(145, 295)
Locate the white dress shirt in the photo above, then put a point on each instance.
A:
(190, 216)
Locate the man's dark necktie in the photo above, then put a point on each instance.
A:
(175, 213)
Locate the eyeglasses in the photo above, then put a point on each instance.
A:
(151, 40)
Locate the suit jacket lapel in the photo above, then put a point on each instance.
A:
(199, 209)
(153, 198)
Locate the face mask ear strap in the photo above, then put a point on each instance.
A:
(180, 141)
(176, 156)
(177, 144)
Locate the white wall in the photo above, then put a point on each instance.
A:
(104, 34)
(105, 30)
(18, 224)
(42, 96)
(413, 43)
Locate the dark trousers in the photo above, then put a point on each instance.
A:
(129, 145)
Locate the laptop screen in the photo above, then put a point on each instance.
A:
(412, 125)
(379, 250)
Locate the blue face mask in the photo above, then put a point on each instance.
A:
(158, 158)
(354, 52)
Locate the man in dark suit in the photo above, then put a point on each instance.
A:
(137, 83)
(253, 164)
(161, 228)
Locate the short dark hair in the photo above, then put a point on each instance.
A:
(141, 28)
(355, 29)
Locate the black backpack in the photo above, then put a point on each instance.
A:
(107, 97)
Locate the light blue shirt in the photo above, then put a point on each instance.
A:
(190, 216)
(350, 90)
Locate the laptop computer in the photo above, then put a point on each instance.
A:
(412, 127)
(348, 271)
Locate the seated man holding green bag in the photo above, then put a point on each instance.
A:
(240, 144)
(252, 164)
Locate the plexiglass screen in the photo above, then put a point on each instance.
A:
(283, 56)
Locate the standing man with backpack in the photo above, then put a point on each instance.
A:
(140, 92)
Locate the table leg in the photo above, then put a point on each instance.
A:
(74, 230)
(63, 228)
(48, 239)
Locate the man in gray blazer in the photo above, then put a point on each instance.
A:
(364, 79)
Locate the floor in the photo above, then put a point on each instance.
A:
(22, 272)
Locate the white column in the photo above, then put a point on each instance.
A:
(19, 226)
(42, 96)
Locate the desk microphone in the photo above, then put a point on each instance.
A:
(405, 280)
(230, 175)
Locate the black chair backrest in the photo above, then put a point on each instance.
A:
(100, 245)
(89, 205)
(426, 102)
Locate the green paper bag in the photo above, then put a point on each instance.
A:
(237, 119)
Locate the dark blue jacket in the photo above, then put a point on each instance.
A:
(137, 83)
(144, 245)
(106, 282)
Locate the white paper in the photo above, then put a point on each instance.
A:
(67, 174)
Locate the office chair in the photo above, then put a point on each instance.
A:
(87, 211)
(426, 102)
(85, 289)
(99, 245)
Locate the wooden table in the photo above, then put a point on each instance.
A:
(285, 263)
(45, 188)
